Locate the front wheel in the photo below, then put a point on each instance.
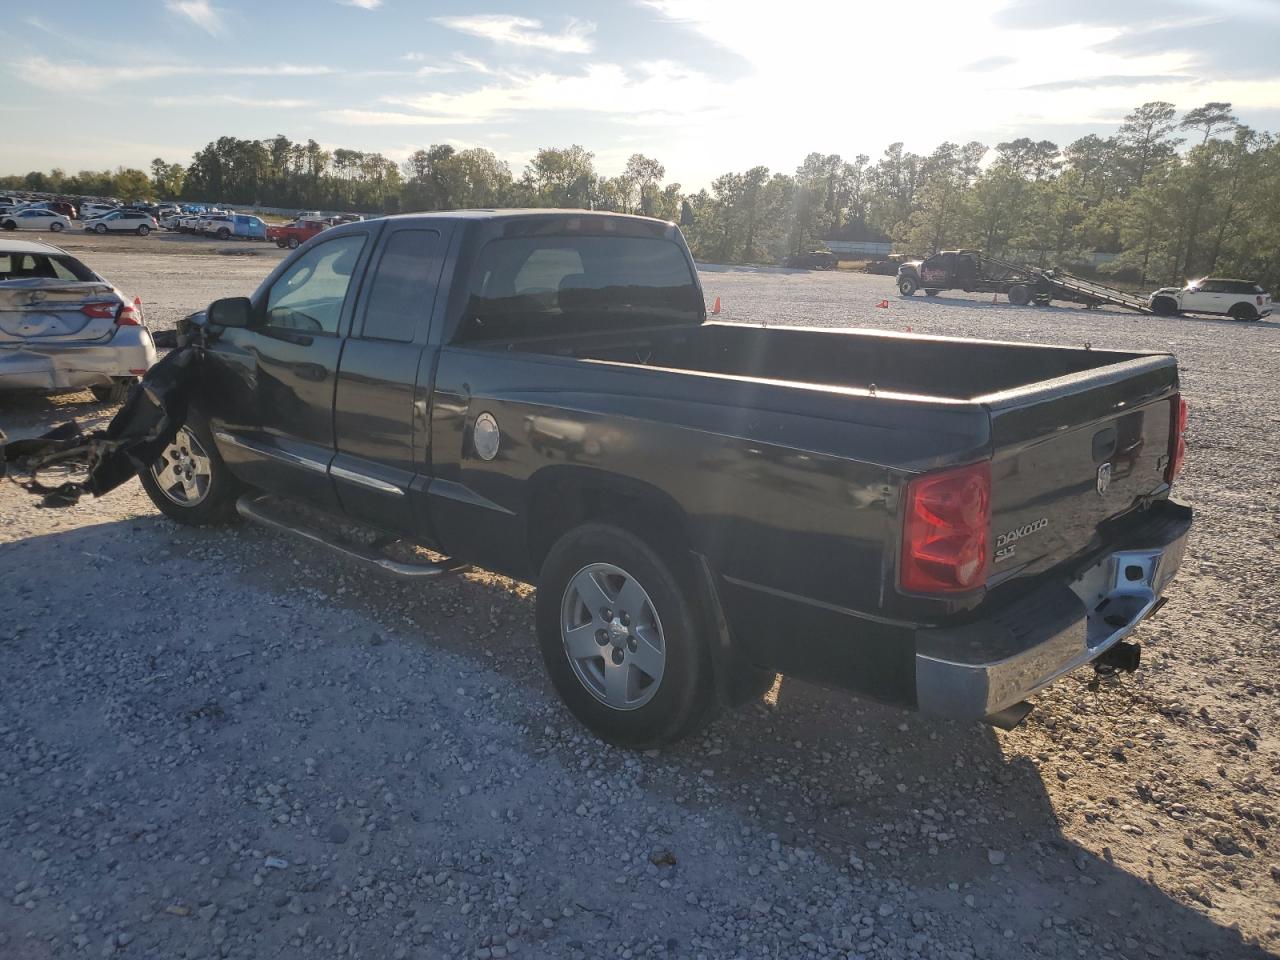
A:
(932, 293)
(1019, 294)
(100, 228)
(620, 636)
(1164, 306)
(294, 243)
(224, 233)
(56, 227)
(10, 225)
(907, 286)
(188, 481)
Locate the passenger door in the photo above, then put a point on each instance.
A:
(384, 384)
(271, 395)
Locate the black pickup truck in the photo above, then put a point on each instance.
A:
(944, 524)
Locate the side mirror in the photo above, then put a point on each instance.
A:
(230, 312)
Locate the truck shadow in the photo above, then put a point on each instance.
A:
(928, 811)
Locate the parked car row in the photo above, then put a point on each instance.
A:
(222, 224)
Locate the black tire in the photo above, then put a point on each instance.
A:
(10, 225)
(1164, 307)
(114, 392)
(281, 244)
(294, 243)
(143, 230)
(223, 233)
(56, 227)
(100, 229)
(932, 293)
(1243, 311)
(1019, 294)
(218, 505)
(684, 698)
(907, 286)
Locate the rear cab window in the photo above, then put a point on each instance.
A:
(553, 284)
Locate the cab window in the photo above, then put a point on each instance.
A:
(310, 294)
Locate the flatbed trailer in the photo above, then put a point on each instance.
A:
(972, 272)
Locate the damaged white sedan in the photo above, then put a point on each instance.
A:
(63, 327)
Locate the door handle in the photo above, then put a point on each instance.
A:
(310, 371)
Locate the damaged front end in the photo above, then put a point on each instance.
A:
(66, 463)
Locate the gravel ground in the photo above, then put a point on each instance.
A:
(216, 744)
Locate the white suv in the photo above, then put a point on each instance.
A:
(1239, 299)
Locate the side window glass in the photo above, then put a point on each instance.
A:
(309, 295)
(404, 286)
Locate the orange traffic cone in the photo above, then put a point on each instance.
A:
(715, 309)
(883, 304)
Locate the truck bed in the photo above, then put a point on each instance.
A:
(933, 367)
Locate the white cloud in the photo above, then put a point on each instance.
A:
(198, 12)
(391, 118)
(523, 32)
(605, 88)
(362, 4)
(78, 77)
(233, 100)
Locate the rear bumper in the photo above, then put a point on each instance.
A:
(70, 366)
(975, 670)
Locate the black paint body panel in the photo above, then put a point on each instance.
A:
(782, 451)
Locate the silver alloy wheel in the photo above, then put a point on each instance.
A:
(183, 471)
(612, 636)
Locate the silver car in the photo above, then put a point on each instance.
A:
(63, 327)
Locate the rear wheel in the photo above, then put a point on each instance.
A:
(620, 635)
(907, 286)
(114, 392)
(1244, 311)
(1019, 294)
(10, 225)
(294, 243)
(188, 482)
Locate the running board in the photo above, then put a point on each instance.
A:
(259, 509)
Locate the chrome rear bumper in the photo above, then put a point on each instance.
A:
(978, 669)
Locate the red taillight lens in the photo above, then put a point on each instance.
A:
(1259, 299)
(100, 311)
(946, 531)
(1177, 438)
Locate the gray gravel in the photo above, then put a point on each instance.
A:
(216, 744)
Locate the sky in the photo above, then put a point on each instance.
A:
(706, 86)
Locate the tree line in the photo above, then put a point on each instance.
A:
(1169, 196)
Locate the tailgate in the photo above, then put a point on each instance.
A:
(1074, 452)
(56, 310)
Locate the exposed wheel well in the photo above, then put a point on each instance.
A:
(563, 498)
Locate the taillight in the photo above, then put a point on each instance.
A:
(1259, 299)
(100, 311)
(131, 314)
(1177, 438)
(946, 532)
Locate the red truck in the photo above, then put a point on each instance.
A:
(294, 235)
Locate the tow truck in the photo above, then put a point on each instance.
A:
(973, 272)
